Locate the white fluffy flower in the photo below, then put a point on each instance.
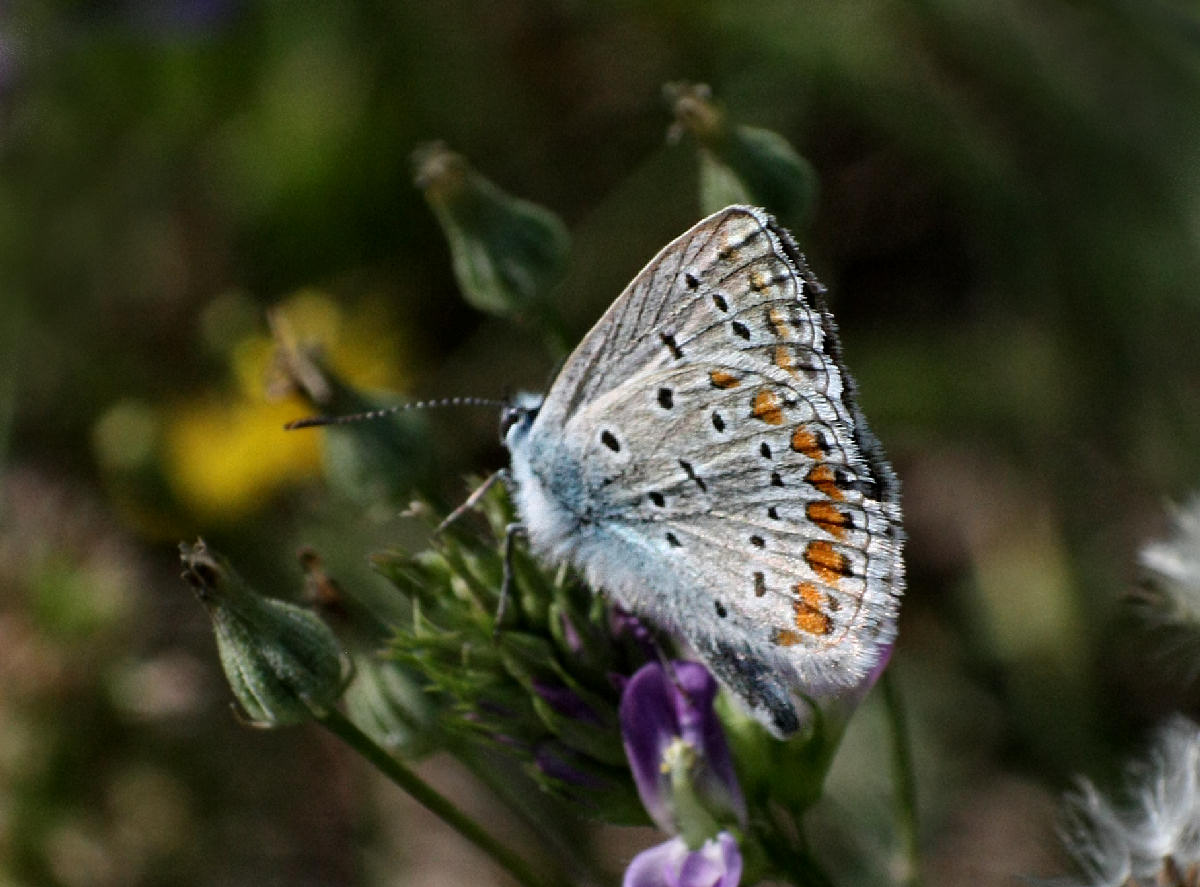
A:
(1173, 567)
(1151, 835)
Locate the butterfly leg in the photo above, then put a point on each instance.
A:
(478, 493)
(511, 532)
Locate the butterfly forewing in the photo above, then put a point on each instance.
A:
(644, 326)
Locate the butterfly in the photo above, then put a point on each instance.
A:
(701, 460)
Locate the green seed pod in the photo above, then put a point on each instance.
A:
(283, 663)
(507, 252)
(742, 164)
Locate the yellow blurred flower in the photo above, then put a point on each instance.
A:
(226, 457)
(359, 346)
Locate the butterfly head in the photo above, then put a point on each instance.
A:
(517, 416)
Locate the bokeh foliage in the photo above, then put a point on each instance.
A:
(1008, 218)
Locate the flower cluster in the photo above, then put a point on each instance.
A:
(1152, 835)
(1172, 567)
(542, 688)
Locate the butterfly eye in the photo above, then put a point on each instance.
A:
(508, 418)
(513, 415)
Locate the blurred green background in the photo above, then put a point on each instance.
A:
(1008, 222)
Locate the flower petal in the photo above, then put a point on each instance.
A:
(648, 724)
(700, 726)
(656, 866)
(717, 864)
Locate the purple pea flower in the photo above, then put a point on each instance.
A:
(625, 625)
(677, 750)
(566, 702)
(717, 864)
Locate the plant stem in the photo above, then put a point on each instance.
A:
(436, 803)
(904, 779)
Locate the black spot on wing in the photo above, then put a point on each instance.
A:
(753, 681)
(691, 473)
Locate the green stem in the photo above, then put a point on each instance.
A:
(803, 870)
(544, 821)
(904, 779)
(782, 843)
(339, 725)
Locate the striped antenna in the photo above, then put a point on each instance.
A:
(315, 421)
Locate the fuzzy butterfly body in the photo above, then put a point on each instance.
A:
(701, 458)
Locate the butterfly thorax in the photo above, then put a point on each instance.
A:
(549, 521)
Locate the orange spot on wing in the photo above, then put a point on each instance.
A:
(784, 360)
(809, 594)
(721, 379)
(805, 442)
(822, 477)
(807, 609)
(828, 518)
(828, 564)
(785, 637)
(779, 322)
(758, 281)
(766, 407)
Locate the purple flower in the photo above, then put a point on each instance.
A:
(571, 634)
(566, 702)
(885, 656)
(717, 864)
(626, 625)
(552, 759)
(677, 749)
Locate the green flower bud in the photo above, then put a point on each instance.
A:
(600, 791)
(742, 164)
(283, 663)
(507, 252)
(581, 718)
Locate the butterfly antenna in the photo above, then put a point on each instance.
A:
(369, 415)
